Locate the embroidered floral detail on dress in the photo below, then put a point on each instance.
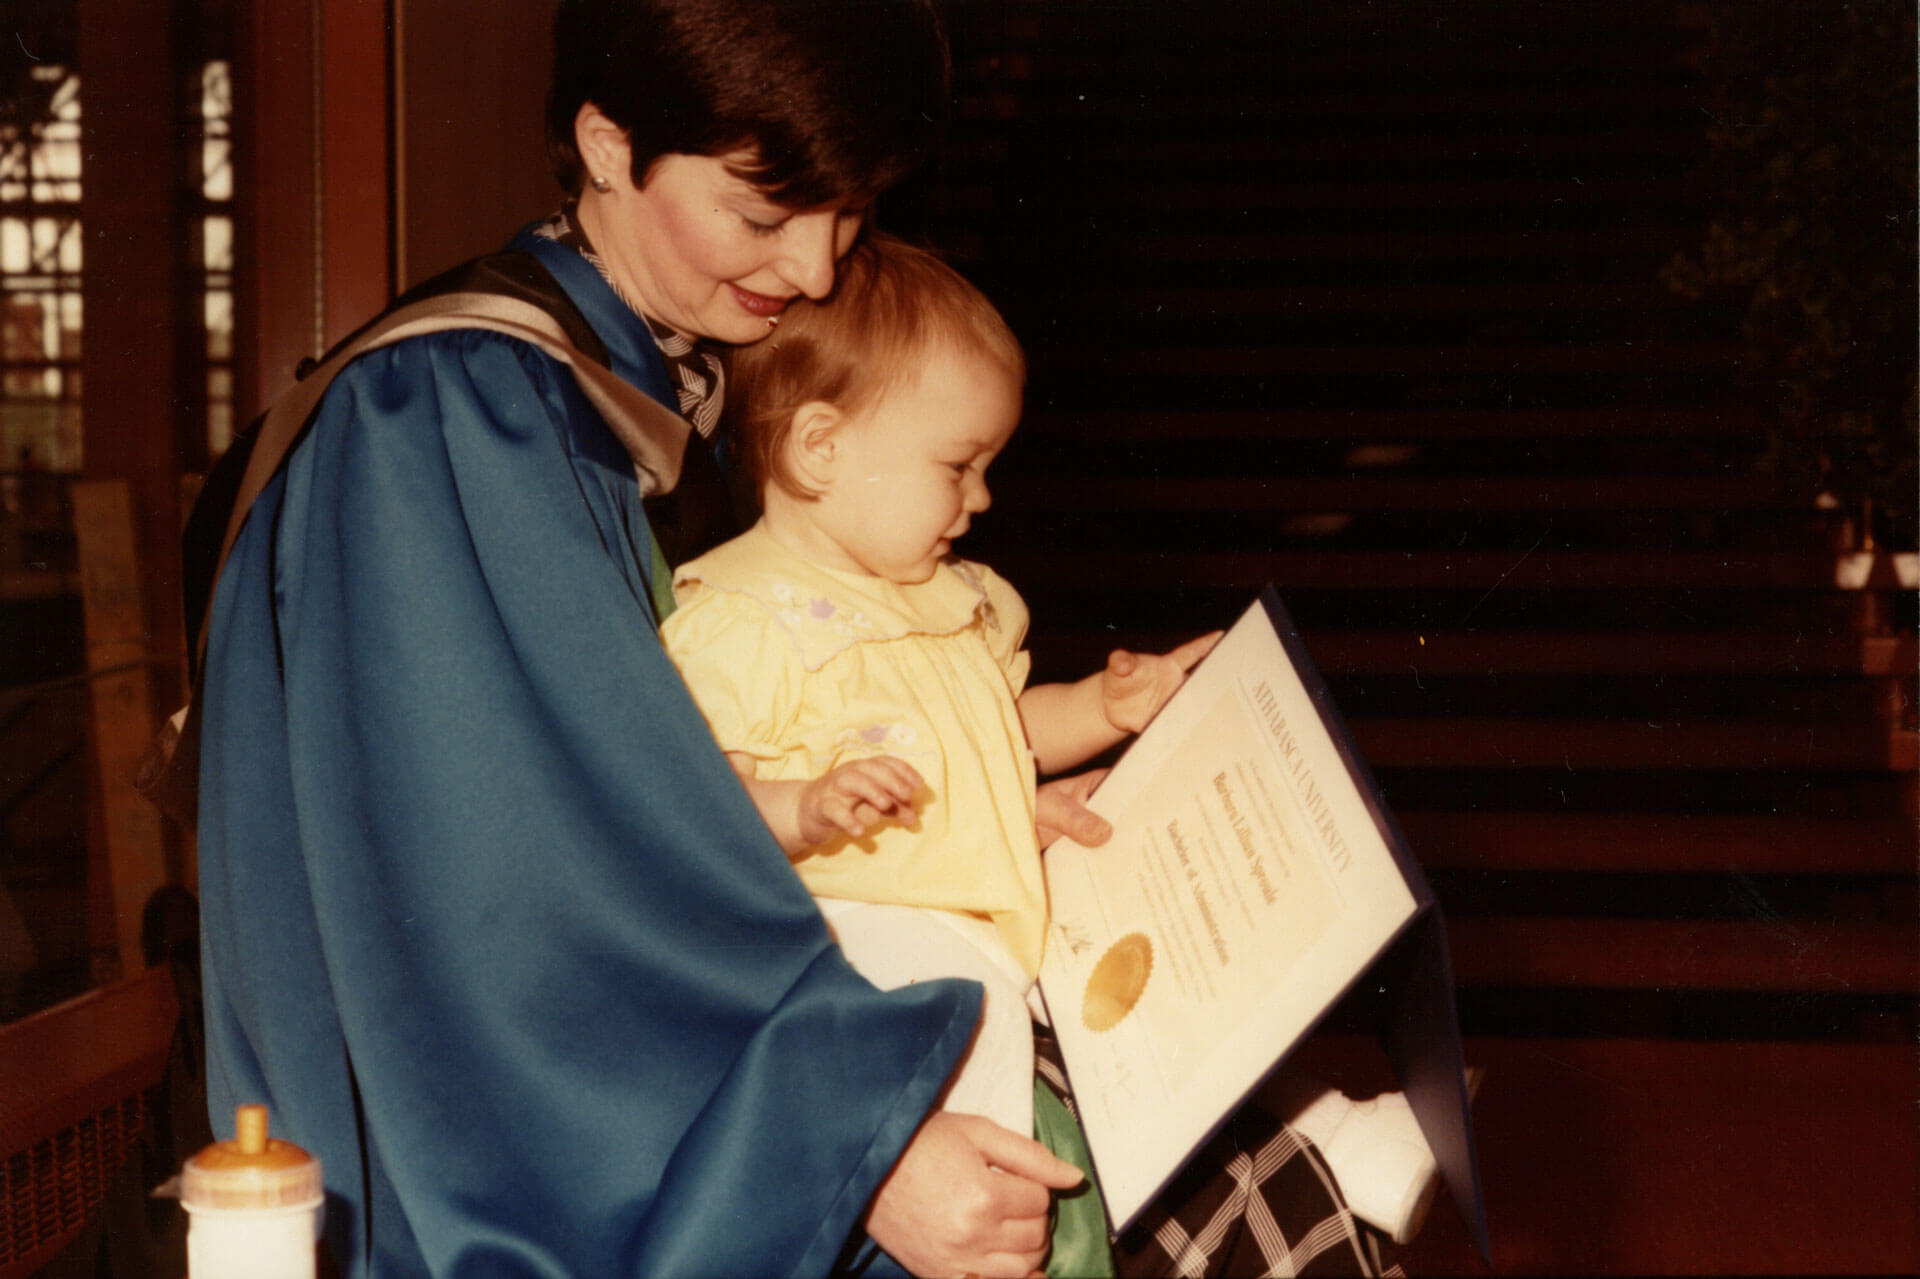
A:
(823, 616)
(891, 738)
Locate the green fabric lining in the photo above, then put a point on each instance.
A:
(660, 583)
(1080, 1246)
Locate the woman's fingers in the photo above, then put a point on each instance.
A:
(1061, 810)
(1024, 1157)
(949, 1209)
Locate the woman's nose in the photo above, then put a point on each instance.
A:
(813, 253)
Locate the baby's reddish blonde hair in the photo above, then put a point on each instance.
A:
(890, 305)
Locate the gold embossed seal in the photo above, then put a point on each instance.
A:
(1117, 982)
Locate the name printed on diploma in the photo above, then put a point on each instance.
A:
(1243, 831)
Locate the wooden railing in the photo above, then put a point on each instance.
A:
(74, 1095)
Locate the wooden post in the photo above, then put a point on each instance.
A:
(314, 194)
(122, 720)
(184, 840)
(140, 308)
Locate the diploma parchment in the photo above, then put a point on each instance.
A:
(1245, 886)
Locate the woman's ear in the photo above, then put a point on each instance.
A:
(814, 444)
(604, 147)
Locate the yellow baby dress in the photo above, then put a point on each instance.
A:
(805, 668)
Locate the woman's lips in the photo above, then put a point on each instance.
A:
(758, 303)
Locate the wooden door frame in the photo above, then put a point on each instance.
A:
(316, 243)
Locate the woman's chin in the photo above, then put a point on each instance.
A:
(739, 329)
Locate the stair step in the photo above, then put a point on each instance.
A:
(1474, 494)
(1153, 103)
(1594, 653)
(1759, 744)
(1412, 425)
(1040, 571)
(1662, 843)
(1220, 195)
(1402, 360)
(1822, 957)
(1581, 299)
(1643, 245)
(1236, 54)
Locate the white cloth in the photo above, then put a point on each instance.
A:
(893, 946)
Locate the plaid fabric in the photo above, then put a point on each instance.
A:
(696, 366)
(702, 511)
(1257, 1200)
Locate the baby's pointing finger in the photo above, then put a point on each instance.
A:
(1194, 649)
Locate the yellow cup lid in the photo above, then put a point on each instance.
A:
(251, 1171)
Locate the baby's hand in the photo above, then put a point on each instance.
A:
(855, 797)
(1136, 685)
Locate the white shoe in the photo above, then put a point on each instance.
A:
(1377, 1153)
(1383, 1165)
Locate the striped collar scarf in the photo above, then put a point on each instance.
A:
(695, 365)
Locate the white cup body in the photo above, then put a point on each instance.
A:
(252, 1243)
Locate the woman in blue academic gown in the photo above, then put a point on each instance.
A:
(490, 925)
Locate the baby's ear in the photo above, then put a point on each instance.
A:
(813, 444)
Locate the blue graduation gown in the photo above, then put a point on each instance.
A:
(489, 923)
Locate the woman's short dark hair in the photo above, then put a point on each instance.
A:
(837, 99)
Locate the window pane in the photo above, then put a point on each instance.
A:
(216, 240)
(219, 312)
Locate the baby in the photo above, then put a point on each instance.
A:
(870, 687)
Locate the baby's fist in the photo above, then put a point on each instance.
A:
(857, 796)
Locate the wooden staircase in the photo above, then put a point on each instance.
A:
(1364, 301)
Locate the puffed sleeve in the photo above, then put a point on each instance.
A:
(490, 925)
(745, 677)
(1007, 628)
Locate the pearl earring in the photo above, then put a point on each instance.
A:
(601, 185)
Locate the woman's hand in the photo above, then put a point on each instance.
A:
(1136, 685)
(855, 796)
(968, 1197)
(1061, 810)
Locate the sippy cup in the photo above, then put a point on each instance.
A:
(253, 1205)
